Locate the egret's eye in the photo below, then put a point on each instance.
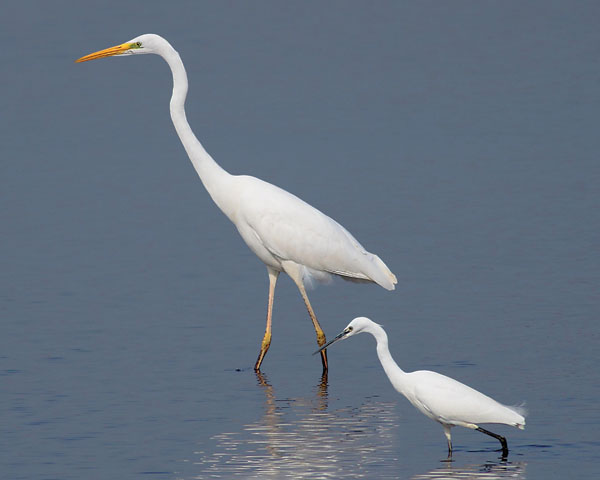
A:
(138, 44)
(350, 329)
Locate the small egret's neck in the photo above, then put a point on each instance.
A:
(211, 173)
(396, 375)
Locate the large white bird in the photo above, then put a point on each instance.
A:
(286, 233)
(441, 398)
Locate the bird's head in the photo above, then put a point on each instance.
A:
(147, 43)
(358, 325)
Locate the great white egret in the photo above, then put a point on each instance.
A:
(286, 233)
(441, 398)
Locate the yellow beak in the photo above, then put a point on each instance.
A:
(107, 52)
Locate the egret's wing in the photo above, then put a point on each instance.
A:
(293, 230)
(455, 403)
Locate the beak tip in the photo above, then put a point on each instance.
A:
(107, 52)
(331, 342)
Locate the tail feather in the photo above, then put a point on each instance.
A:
(373, 270)
(521, 410)
(383, 275)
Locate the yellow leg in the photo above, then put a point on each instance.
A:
(266, 342)
(321, 340)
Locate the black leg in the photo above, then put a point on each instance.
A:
(449, 438)
(500, 438)
(449, 458)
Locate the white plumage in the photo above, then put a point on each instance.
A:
(286, 233)
(441, 398)
(281, 228)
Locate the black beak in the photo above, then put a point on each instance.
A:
(339, 337)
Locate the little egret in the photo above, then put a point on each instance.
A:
(441, 398)
(286, 233)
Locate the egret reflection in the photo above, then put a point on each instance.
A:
(300, 437)
(486, 471)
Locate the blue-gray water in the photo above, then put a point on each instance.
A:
(457, 140)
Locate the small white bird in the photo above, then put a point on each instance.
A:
(286, 233)
(441, 398)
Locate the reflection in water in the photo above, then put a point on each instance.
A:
(487, 471)
(298, 438)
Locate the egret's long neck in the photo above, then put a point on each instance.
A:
(396, 375)
(213, 176)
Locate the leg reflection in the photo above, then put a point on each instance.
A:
(322, 395)
(301, 436)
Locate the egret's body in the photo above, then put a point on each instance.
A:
(440, 398)
(286, 233)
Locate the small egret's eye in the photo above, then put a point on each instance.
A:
(138, 44)
(349, 329)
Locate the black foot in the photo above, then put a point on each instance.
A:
(500, 438)
(449, 459)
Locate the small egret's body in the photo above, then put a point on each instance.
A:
(441, 398)
(286, 233)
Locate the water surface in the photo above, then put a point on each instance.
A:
(457, 141)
